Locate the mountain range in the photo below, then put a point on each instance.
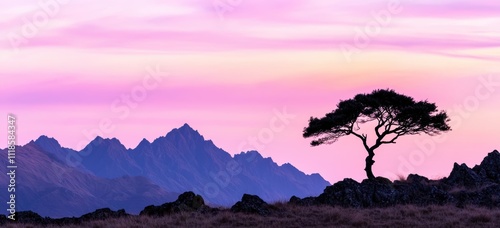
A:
(61, 182)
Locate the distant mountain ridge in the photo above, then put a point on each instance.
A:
(183, 160)
(180, 161)
(51, 187)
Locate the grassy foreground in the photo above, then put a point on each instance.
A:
(316, 216)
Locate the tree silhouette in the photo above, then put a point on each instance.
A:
(395, 114)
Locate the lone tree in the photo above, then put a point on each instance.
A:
(395, 115)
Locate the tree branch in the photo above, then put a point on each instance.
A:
(392, 140)
(379, 125)
(363, 139)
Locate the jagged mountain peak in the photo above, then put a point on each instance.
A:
(185, 130)
(187, 127)
(100, 142)
(144, 142)
(489, 167)
(44, 140)
(185, 134)
(183, 159)
(51, 147)
(249, 155)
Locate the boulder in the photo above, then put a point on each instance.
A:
(3, 220)
(462, 175)
(490, 196)
(490, 167)
(419, 190)
(379, 192)
(308, 201)
(295, 200)
(252, 204)
(104, 213)
(187, 201)
(415, 178)
(30, 217)
(346, 193)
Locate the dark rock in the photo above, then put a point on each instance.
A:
(488, 196)
(104, 213)
(153, 210)
(30, 217)
(381, 192)
(346, 193)
(415, 178)
(308, 201)
(187, 201)
(435, 195)
(252, 204)
(419, 190)
(378, 192)
(3, 219)
(208, 210)
(462, 175)
(383, 180)
(490, 167)
(295, 200)
(421, 195)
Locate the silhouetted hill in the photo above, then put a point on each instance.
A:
(51, 187)
(108, 158)
(444, 199)
(479, 186)
(183, 160)
(64, 182)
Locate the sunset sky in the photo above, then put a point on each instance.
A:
(226, 67)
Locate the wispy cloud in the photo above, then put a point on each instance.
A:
(258, 56)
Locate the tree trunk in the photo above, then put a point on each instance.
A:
(369, 163)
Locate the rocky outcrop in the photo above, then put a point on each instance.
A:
(419, 190)
(464, 186)
(30, 217)
(346, 193)
(490, 167)
(187, 201)
(104, 213)
(252, 204)
(378, 192)
(462, 175)
(308, 201)
(349, 193)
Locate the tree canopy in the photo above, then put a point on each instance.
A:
(395, 115)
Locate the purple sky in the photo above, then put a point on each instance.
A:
(227, 67)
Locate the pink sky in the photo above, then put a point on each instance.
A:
(226, 71)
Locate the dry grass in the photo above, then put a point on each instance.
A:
(318, 216)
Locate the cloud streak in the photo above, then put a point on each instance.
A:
(229, 73)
